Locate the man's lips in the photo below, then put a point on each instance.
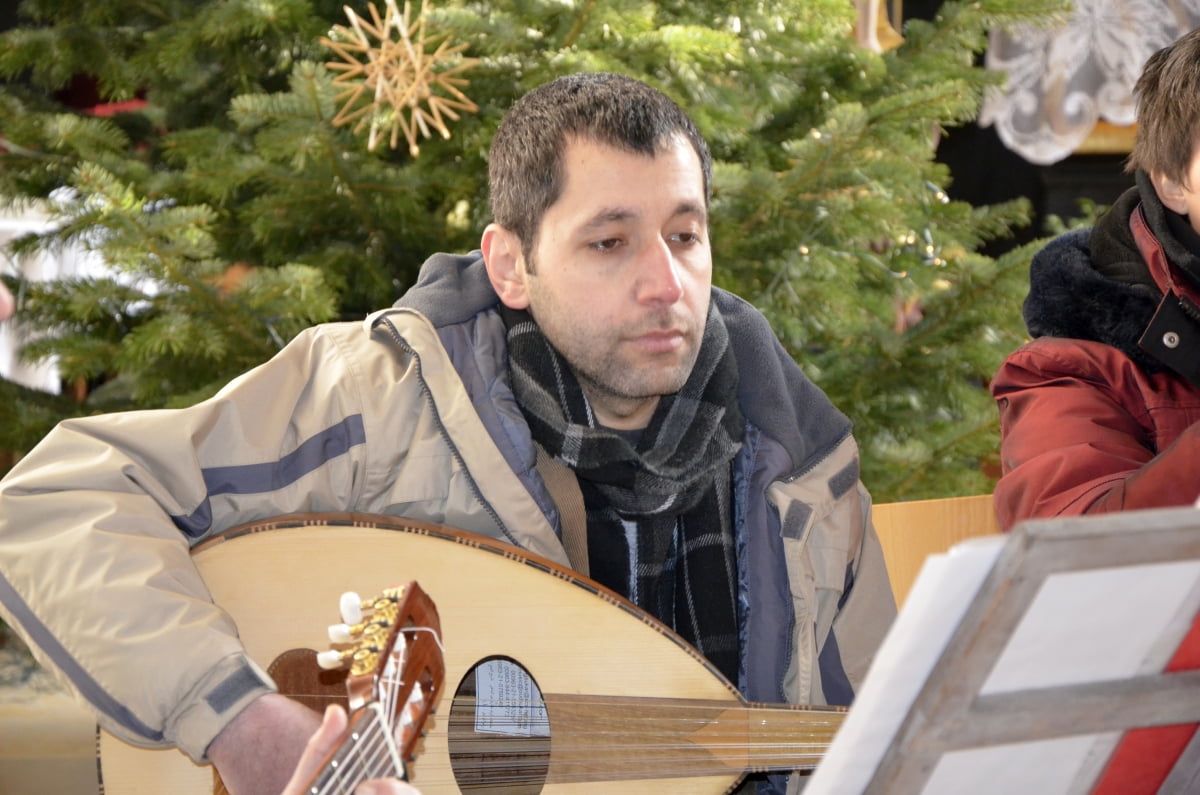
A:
(664, 341)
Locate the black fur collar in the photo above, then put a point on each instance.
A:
(1093, 284)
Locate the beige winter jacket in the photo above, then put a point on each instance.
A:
(408, 414)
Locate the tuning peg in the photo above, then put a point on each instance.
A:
(351, 607)
(342, 633)
(332, 659)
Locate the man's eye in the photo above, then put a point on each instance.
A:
(686, 237)
(606, 245)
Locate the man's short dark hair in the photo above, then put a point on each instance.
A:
(525, 169)
(1168, 110)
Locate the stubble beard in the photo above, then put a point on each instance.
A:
(621, 380)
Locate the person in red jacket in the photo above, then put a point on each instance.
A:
(1100, 412)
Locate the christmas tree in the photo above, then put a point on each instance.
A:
(247, 169)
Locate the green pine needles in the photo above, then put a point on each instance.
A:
(234, 212)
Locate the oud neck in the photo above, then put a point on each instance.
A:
(597, 738)
(368, 751)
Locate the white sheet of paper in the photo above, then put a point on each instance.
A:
(940, 595)
(508, 701)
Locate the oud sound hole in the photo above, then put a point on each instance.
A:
(499, 737)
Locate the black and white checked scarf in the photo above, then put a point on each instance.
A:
(659, 518)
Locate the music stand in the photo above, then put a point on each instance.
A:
(977, 688)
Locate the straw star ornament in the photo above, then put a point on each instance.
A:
(396, 76)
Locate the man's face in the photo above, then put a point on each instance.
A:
(621, 275)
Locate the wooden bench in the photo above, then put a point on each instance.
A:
(910, 531)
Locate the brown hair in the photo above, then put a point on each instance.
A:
(1168, 110)
(525, 168)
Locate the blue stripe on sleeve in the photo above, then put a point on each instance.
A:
(88, 687)
(272, 475)
(311, 454)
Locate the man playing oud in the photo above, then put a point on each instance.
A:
(720, 487)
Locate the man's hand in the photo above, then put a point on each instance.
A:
(276, 744)
(258, 751)
(325, 740)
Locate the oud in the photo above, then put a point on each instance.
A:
(552, 683)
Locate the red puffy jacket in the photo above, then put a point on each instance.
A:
(1087, 427)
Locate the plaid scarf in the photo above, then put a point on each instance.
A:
(659, 520)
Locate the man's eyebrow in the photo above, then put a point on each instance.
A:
(610, 215)
(692, 208)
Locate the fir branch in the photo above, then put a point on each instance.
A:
(917, 477)
(581, 20)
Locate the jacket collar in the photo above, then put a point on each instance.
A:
(453, 289)
(1172, 336)
(1106, 284)
(1069, 297)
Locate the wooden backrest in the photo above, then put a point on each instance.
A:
(910, 531)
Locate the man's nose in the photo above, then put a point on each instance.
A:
(658, 274)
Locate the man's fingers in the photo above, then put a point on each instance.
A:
(322, 741)
(333, 724)
(386, 787)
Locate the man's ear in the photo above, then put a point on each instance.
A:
(505, 266)
(1170, 192)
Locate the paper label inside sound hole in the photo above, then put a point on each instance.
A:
(508, 701)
